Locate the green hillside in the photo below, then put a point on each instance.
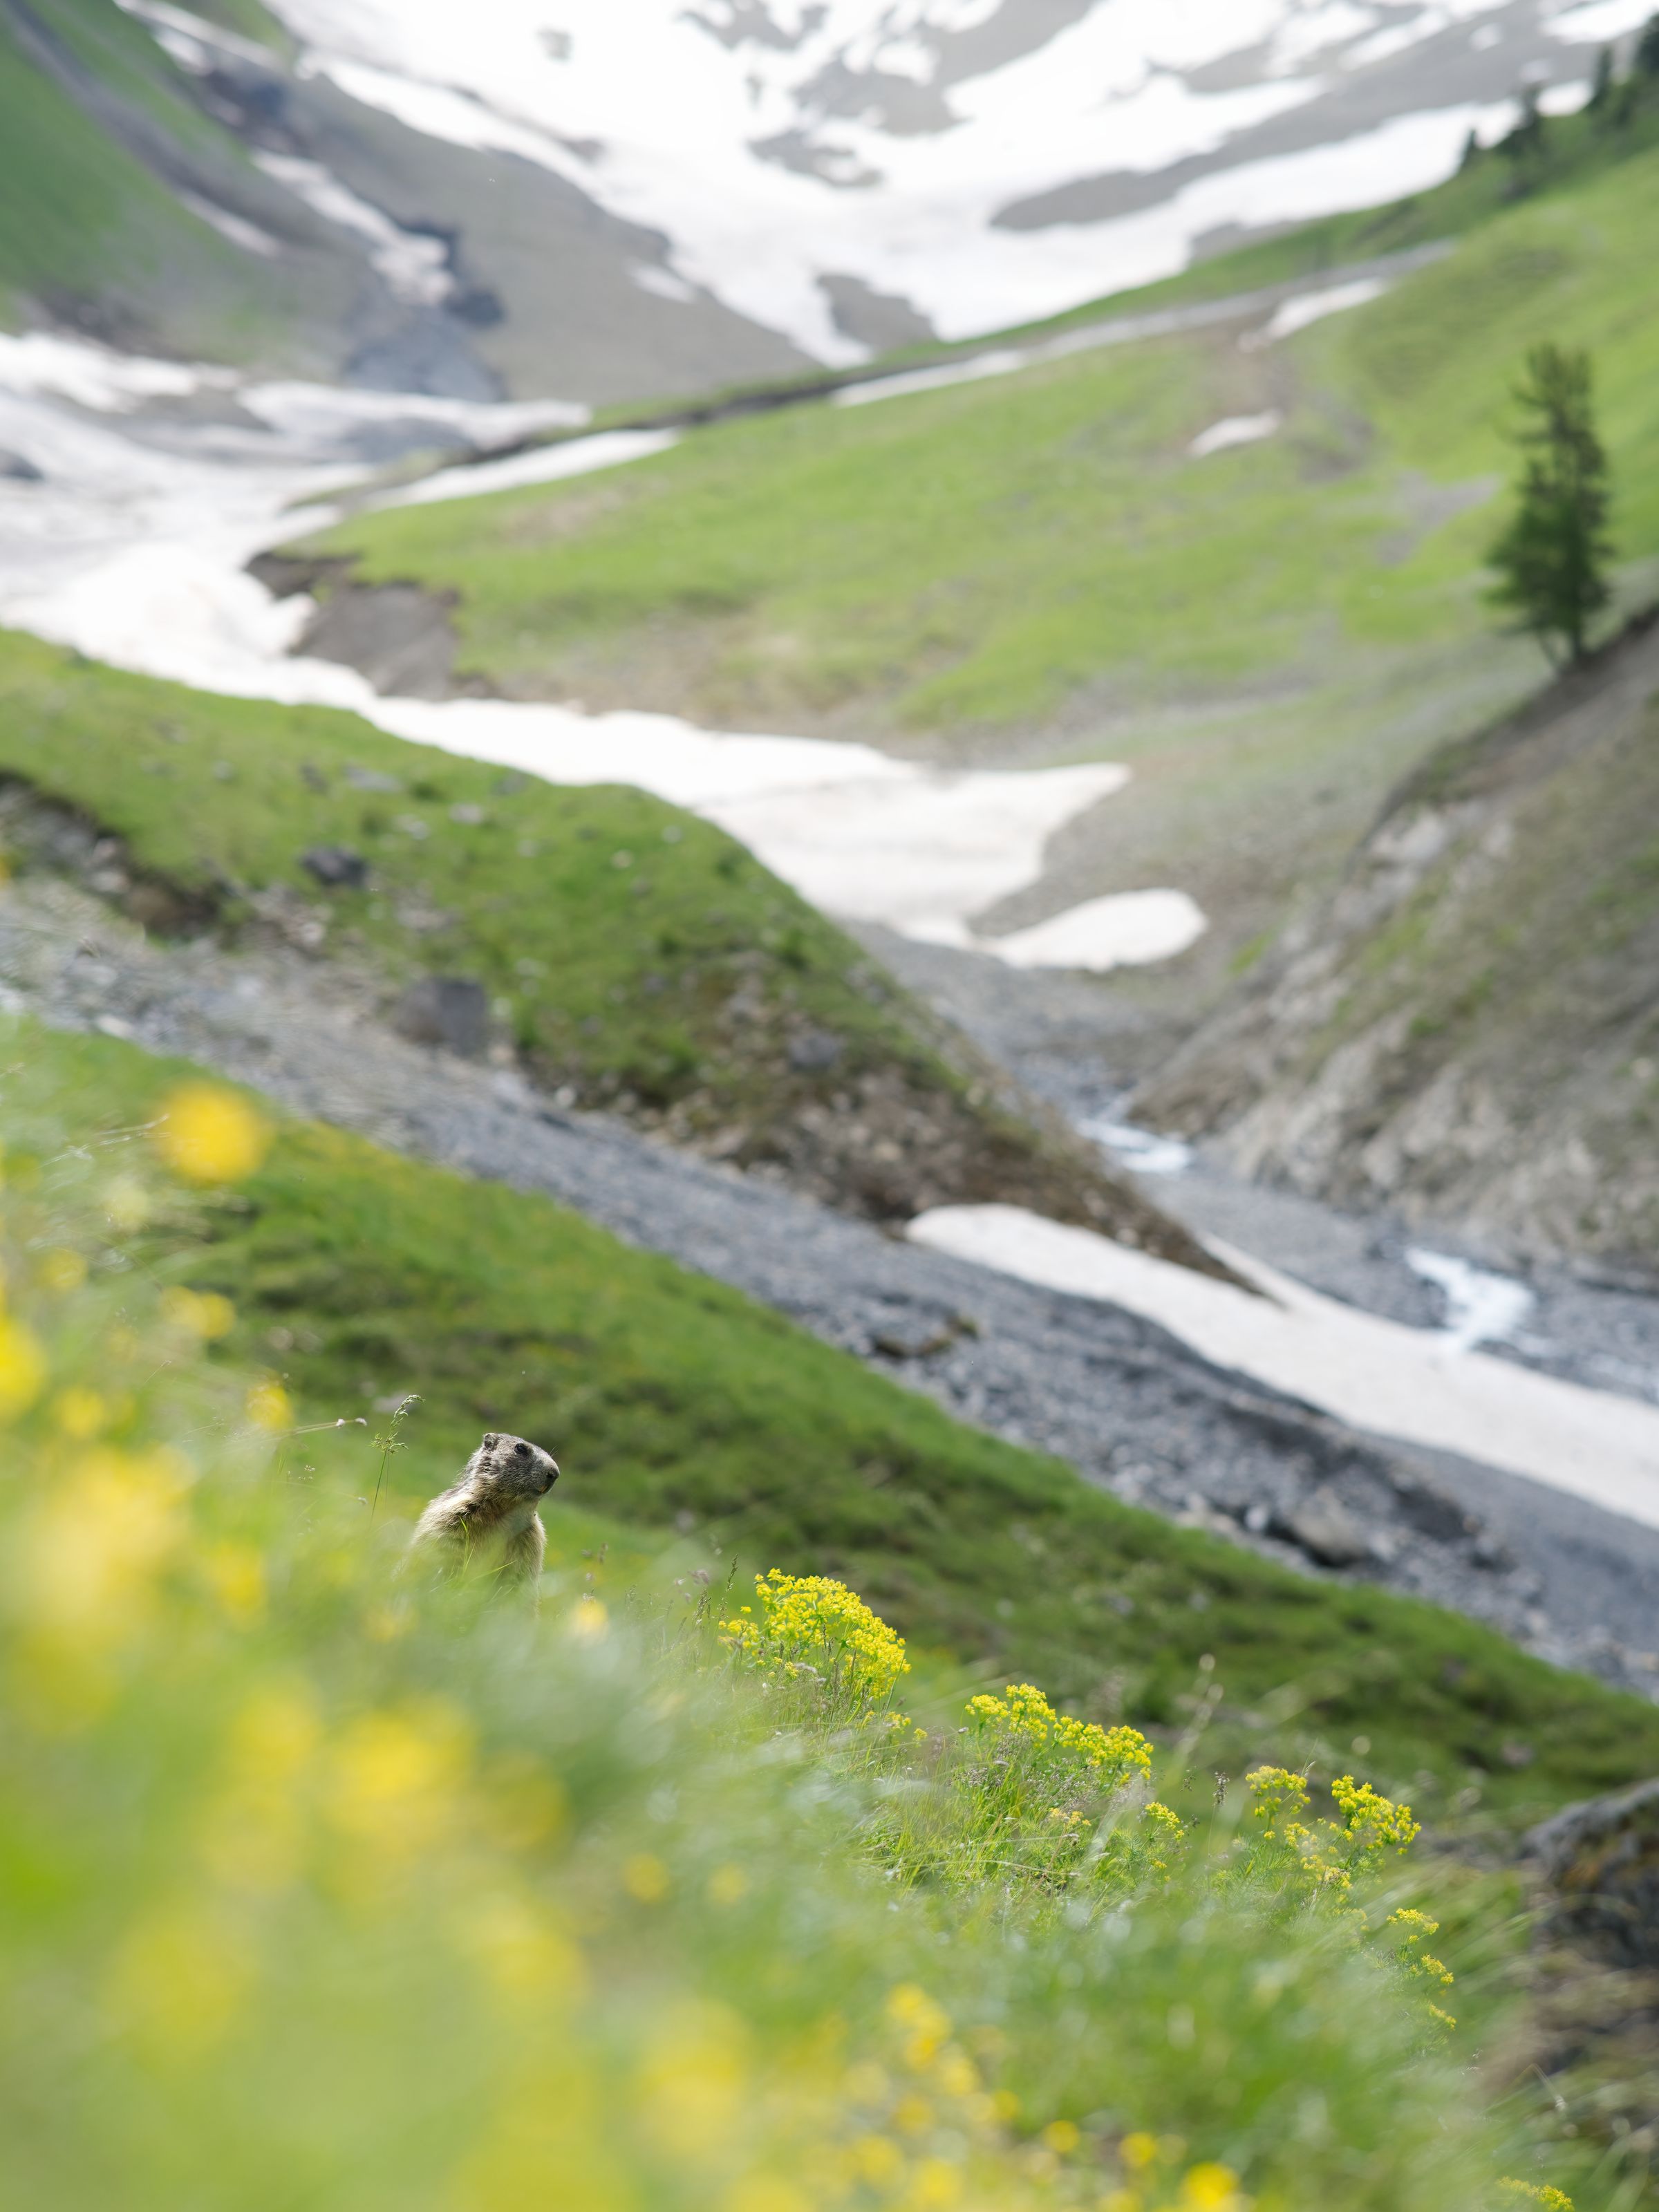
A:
(630, 955)
(103, 148)
(672, 1402)
(325, 1885)
(1033, 564)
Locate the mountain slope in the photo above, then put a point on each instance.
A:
(176, 185)
(674, 1402)
(1036, 565)
(1469, 1030)
(617, 950)
(851, 172)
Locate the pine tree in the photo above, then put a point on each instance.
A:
(1604, 82)
(1551, 557)
(1647, 49)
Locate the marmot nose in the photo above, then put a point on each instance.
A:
(552, 1476)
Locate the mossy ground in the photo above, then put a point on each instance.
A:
(678, 1408)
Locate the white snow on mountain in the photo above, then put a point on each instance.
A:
(780, 143)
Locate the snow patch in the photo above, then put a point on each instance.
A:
(93, 376)
(684, 141)
(1293, 315)
(578, 457)
(1599, 21)
(1481, 1307)
(1235, 430)
(1127, 929)
(1377, 1374)
(414, 263)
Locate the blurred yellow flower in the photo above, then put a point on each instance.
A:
(236, 1574)
(1061, 2136)
(878, 2159)
(79, 1413)
(269, 1406)
(523, 1951)
(1210, 2189)
(693, 2080)
(208, 1135)
(62, 1271)
(127, 1205)
(767, 2192)
(22, 1370)
(645, 1878)
(396, 1778)
(935, 2186)
(205, 1313)
(727, 1885)
(177, 1983)
(588, 1619)
(98, 1542)
(1138, 2150)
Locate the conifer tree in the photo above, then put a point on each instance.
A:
(1551, 557)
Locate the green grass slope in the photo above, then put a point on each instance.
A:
(323, 1886)
(1034, 565)
(675, 1404)
(101, 141)
(630, 952)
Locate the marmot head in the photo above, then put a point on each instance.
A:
(511, 1467)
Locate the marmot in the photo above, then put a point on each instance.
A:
(489, 1517)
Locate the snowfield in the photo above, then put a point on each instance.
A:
(776, 142)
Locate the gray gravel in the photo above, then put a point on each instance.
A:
(1126, 1403)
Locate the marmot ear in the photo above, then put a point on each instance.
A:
(491, 1441)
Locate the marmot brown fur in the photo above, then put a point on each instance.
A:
(488, 1521)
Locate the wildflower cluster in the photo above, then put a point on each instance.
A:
(811, 1630)
(1065, 1796)
(1023, 1721)
(1412, 1929)
(1330, 1854)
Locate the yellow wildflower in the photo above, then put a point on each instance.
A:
(22, 1370)
(62, 1271)
(646, 1878)
(810, 1626)
(208, 1135)
(270, 1408)
(204, 1314)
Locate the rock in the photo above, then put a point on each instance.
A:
(815, 1053)
(370, 779)
(1326, 1531)
(17, 468)
(1602, 1859)
(336, 868)
(452, 1011)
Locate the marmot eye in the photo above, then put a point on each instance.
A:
(521, 1451)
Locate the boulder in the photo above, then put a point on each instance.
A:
(1601, 1859)
(336, 868)
(450, 1011)
(1326, 1530)
(815, 1053)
